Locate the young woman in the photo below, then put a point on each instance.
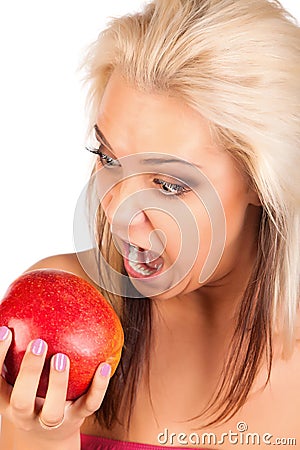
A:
(195, 113)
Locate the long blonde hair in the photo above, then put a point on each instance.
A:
(236, 63)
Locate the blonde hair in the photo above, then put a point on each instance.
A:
(236, 63)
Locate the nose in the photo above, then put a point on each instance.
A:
(122, 207)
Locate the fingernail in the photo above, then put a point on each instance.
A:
(4, 331)
(60, 362)
(105, 370)
(38, 347)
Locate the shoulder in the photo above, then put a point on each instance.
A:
(82, 264)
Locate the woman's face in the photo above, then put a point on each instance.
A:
(180, 210)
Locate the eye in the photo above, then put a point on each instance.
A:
(106, 161)
(171, 189)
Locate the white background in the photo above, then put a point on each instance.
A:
(43, 165)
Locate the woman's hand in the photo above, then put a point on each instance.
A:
(52, 418)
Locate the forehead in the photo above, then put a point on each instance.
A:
(136, 121)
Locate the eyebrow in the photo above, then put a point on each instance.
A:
(157, 161)
(101, 136)
(154, 161)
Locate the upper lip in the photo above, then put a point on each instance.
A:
(148, 254)
(121, 238)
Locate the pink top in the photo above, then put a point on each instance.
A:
(100, 443)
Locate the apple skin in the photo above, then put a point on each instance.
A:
(71, 316)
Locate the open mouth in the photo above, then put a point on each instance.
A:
(141, 263)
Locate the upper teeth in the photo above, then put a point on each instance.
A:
(147, 258)
(148, 255)
(133, 252)
(133, 257)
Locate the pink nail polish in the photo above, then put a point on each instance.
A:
(3, 333)
(60, 362)
(105, 370)
(38, 347)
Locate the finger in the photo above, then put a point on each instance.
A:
(90, 402)
(5, 341)
(54, 405)
(25, 388)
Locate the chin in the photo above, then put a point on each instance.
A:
(168, 292)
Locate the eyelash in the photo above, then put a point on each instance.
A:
(103, 157)
(180, 189)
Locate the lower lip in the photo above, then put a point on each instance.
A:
(133, 273)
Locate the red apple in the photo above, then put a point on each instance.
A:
(71, 316)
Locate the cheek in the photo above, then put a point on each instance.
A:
(104, 201)
(218, 232)
(234, 203)
(205, 234)
(186, 235)
(231, 186)
(106, 186)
